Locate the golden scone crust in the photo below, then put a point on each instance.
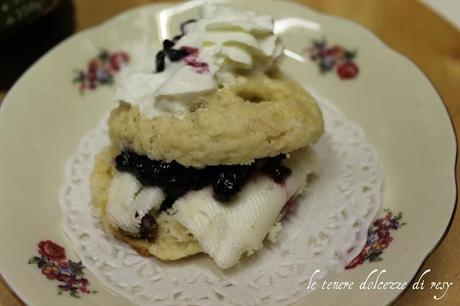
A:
(258, 118)
(173, 241)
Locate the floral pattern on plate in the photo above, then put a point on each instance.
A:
(100, 70)
(334, 57)
(54, 264)
(378, 238)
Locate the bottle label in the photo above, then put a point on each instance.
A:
(14, 13)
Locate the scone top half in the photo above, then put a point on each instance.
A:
(257, 118)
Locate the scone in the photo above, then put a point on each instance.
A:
(207, 150)
(260, 117)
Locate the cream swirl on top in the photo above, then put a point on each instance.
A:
(221, 46)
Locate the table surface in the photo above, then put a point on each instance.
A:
(408, 27)
(449, 9)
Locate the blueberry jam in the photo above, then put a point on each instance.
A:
(276, 170)
(175, 180)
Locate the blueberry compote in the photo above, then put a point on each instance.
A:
(175, 180)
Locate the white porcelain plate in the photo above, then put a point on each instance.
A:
(45, 115)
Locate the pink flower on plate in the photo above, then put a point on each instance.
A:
(336, 57)
(378, 239)
(51, 272)
(100, 70)
(51, 250)
(53, 263)
(357, 261)
(347, 70)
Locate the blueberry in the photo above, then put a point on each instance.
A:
(125, 161)
(141, 163)
(148, 227)
(226, 186)
(176, 55)
(279, 174)
(160, 61)
(275, 169)
(229, 180)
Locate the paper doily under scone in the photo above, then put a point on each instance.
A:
(327, 231)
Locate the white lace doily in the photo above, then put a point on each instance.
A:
(328, 230)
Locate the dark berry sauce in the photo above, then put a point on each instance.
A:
(274, 168)
(175, 180)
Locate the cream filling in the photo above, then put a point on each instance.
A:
(129, 201)
(225, 231)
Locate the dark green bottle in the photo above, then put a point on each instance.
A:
(29, 28)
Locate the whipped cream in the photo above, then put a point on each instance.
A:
(226, 231)
(222, 45)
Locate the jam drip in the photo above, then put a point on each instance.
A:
(169, 52)
(175, 180)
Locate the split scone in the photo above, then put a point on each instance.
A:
(206, 151)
